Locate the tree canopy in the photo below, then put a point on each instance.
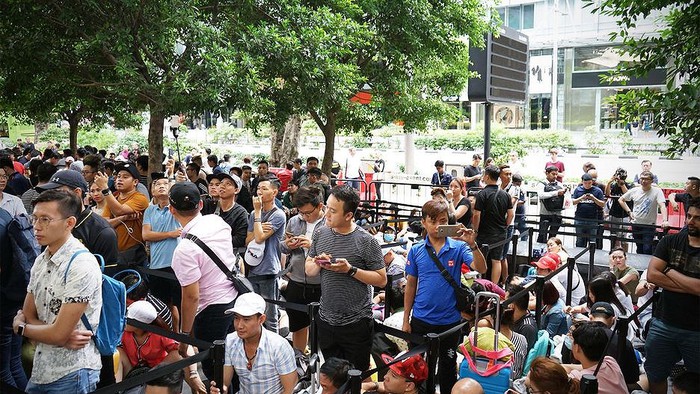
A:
(677, 47)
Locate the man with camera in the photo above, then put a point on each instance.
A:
(616, 187)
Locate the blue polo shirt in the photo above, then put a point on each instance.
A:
(435, 301)
(161, 220)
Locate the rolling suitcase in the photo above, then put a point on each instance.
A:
(485, 366)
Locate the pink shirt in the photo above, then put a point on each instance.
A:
(610, 378)
(191, 264)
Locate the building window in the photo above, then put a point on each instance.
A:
(518, 17)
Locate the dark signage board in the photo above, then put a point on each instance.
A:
(503, 67)
(592, 79)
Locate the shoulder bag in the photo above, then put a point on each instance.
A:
(240, 282)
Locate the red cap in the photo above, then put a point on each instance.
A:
(413, 368)
(549, 261)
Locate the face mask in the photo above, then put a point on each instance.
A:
(388, 237)
(568, 342)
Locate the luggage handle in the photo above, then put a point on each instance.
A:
(496, 320)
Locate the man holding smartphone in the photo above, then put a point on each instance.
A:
(586, 197)
(428, 294)
(349, 261)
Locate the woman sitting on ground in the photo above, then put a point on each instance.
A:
(547, 376)
(628, 276)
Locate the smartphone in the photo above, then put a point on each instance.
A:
(448, 230)
(325, 262)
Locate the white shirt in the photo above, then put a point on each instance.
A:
(352, 167)
(12, 204)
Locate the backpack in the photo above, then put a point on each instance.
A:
(543, 347)
(555, 203)
(113, 314)
(24, 251)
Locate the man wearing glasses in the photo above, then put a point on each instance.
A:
(66, 359)
(302, 288)
(647, 201)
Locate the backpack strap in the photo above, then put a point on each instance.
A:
(83, 318)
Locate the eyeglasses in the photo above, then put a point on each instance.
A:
(43, 220)
(529, 390)
(307, 214)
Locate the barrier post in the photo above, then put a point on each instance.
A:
(387, 297)
(433, 352)
(511, 266)
(217, 358)
(589, 384)
(530, 243)
(539, 289)
(313, 329)
(622, 328)
(591, 259)
(571, 264)
(355, 377)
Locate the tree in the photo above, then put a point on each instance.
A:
(167, 56)
(676, 46)
(316, 55)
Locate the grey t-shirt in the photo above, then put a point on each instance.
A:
(270, 264)
(346, 300)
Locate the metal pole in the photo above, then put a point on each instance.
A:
(539, 289)
(513, 263)
(591, 259)
(622, 328)
(313, 327)
(433, 351)
(177, 145)
(217, 358)
(571, 263)
(487, 130)
(530, 242)
(355, 377)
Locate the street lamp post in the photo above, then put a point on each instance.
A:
(175, 129)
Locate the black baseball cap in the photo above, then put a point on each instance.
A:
(128, 167)
(602, 308)
(184, 196)
(70, 178)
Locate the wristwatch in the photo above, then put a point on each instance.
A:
(352, 271)
(20, 329)
(106, 192)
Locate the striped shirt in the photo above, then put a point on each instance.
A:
(162, 309)
(519, 354)
(344, 299)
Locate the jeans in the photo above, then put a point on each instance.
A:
(266, 286)
(447, 354)
(212, 324)
(549, 227)
(79, 382)
(354, 183)
(11, 370)
(665, 346)
(586, 231)
(644, 238)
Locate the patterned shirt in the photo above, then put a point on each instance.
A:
(83, 284)
(275, 357)
(11, 204)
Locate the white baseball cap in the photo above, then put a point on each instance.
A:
(248, 304)
(142, 311)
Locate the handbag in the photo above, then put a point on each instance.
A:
(240, 282)
(465, 295)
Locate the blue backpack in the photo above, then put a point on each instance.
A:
(113, 314)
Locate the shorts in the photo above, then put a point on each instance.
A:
(300, 293)
(665, 346)
(166, 290)
(494, 253)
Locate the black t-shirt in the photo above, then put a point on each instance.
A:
(685, 199)
(469, 171)
(202, 186)
(492, 223)
(615, 207)
(236, 218)
(466, 219)
(98, 236)
(680, 310)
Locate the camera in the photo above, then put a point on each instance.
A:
(621, 174)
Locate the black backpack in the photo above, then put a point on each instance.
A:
(25, 250)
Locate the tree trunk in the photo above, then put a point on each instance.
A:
(73, 122)
(39, 128)
(155, 141)
(329, 133)
(285, 141)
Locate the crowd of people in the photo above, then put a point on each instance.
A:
(299, 237)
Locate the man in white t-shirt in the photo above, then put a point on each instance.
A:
(647, 201)
(353, 169)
